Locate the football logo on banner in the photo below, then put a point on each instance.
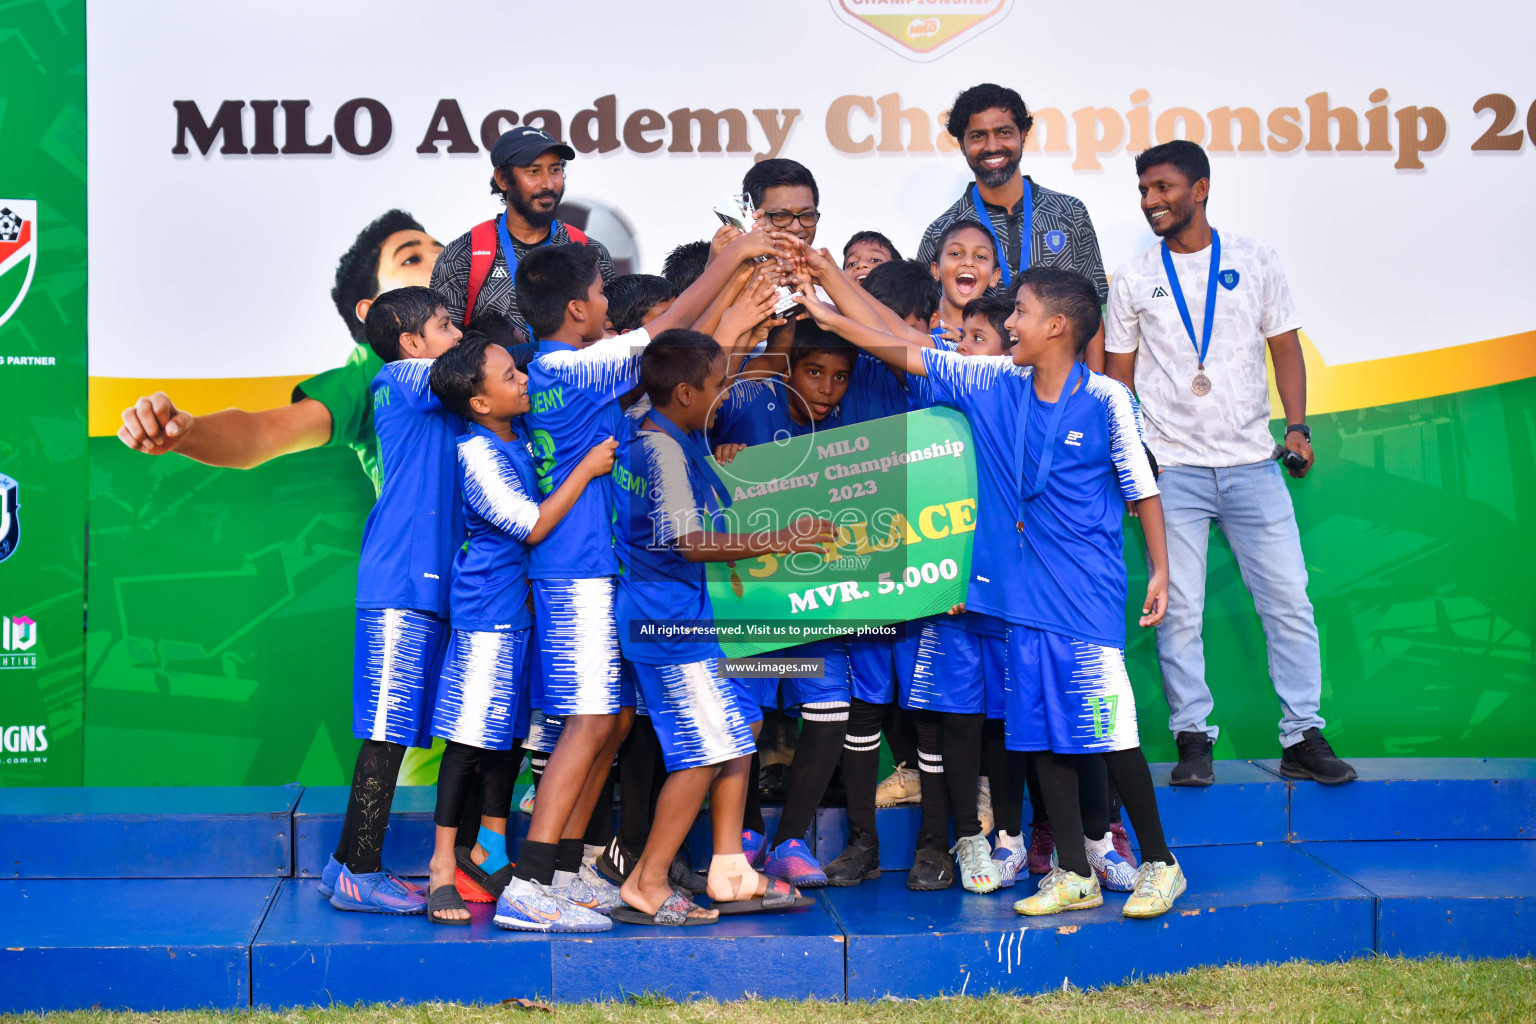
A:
(10, 521)
(18, 261)
(921, 29)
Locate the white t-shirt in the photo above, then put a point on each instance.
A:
(1230, 425)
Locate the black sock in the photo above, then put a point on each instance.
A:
(821, 741)
(536, 862)
(934, 834)
(600, 825)
(1038, 813)
(1058, 787)
(637, 769)
(455, 776)
(568, 855)
(498, 774)
(861, 766)
(1093, 795)
(1133, 779)
(537, 759)
(900, 735)
(373, 793)
(1007, 785)
(752, 817)
(962, 768)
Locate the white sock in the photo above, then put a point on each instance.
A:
(589, 854)
(1100, 846)
(1015, 843)
(563, 879)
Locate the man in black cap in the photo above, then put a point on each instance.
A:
(477, 272)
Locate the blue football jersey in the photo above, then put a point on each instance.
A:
(874, 391)
(757, 412)
(574, 396)
(1061, 569)
(416, 525)
(501, 507)
(663, 500)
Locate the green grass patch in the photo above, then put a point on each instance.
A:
(1385, 989)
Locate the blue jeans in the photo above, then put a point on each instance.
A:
(1253, 510)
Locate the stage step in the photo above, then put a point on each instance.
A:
(148, 832)
(309, 953)
(1245, 904)
(133, 944)
(1419, 798)
(1464, 898)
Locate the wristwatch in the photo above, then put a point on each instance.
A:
(1300, 428)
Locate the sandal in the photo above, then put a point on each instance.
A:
(490, 883)
(779, 895)
(445, 897)
(675, 912)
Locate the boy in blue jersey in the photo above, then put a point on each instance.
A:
(1058, 450)
(574, 385)
(482, 693)
(666, 496)
(402, 590)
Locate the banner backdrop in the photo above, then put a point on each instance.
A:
(1386, 154)
(42, 393)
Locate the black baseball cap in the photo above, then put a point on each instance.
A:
(524, 144)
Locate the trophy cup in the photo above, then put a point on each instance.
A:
(739, 213)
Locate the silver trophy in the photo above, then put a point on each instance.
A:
(739, 212)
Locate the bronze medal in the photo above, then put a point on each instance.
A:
(1201, 385)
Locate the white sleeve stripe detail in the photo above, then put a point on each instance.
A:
(411, 373)
(1125, 438)
(492, 488)
(601, 366)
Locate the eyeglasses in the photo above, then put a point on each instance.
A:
(784, 218)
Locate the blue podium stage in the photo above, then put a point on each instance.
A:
(153, 899)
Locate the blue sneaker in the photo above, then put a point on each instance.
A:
(527, 906)
(328, 877)
(753, 845)
(791, 860)
(1115, 872)
(375, 892)
(1009, 863)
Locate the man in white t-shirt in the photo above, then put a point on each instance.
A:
(1204, 393)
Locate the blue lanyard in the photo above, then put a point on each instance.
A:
(1026, 230)
(698, 461)
(1203, 345)
(508, 253)
(1043, 469)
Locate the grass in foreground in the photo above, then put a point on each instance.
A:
(1379, 989)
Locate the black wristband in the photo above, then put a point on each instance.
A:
(1300, 428)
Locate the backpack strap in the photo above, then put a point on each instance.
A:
(576, 234)
(482, 257)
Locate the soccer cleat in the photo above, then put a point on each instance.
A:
(1157, 886)
(900, 787)
(1312, 758)
(1122, 842)
(1061, 890)
(932, 870)
(529, 907)
(575, 892)
(1195, 767)
(526, 803)
(753, 845)
(1113, 871)
(984, 805)
(409, 885)
(1042, 844)
(328, 877)
(791, 860)
(606, 893)
(375, 892)
(977, 870)
(616, 862)
(1009, 863)
(859, 860)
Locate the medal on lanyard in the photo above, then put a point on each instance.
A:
(1201, 385)
(1026, 230)
(1043, 468)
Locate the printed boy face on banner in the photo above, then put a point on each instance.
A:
(18, 253)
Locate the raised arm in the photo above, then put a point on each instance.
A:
(894, 351)
(691, 304)
(231, 438)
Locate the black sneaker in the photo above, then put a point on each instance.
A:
(1194, 767)
(615, 862)
(859, 860)
(682, 875)
(770, 785)
(1312, 758)
(931, 870)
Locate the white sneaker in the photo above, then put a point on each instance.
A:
(902, 786)
(977, 870)
(606, 892)
(528, 906)
(1010, 862)
(984, 805)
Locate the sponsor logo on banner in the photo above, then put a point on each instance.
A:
(921, 29)
(18, 635)
(10, 516)
(24, 739)
(18, 253)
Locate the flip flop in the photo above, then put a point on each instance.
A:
(673, 913)
(444, 897)
(490, 883)
(780, 896)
